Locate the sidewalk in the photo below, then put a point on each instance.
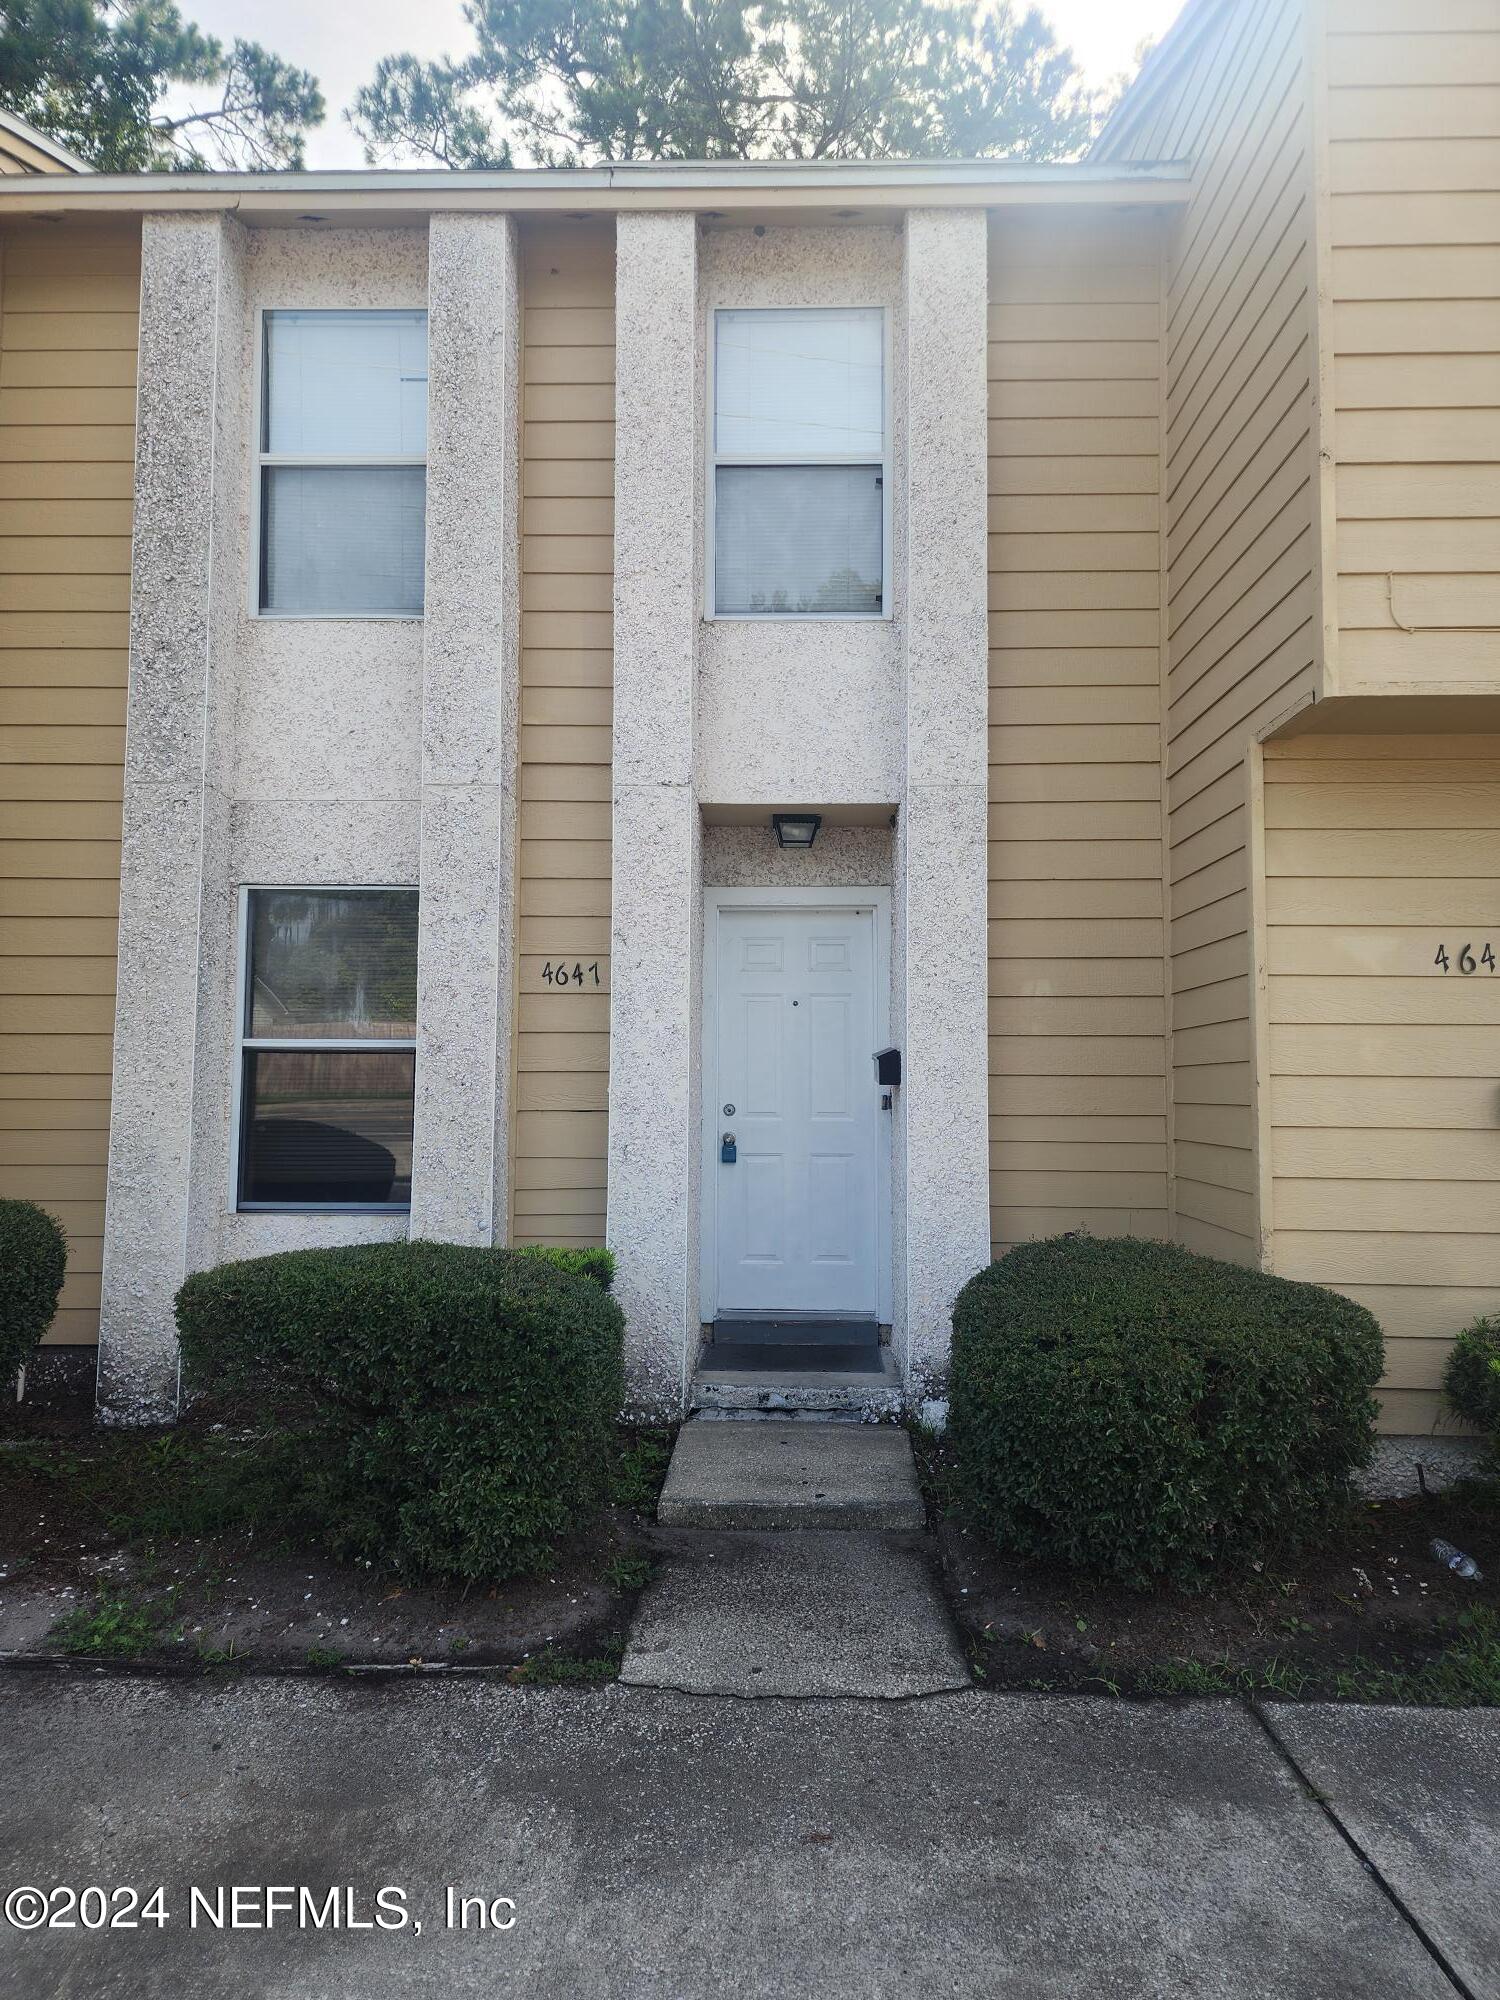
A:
(661, 1844)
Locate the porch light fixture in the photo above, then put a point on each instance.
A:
(796, 829)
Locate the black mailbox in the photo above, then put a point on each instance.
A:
(887, 1067)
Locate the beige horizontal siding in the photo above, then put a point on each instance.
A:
(67, 408)
(1413, 115)
(1239, 516)
(1385, 1150)
(1077, 1012)
(562, 1032)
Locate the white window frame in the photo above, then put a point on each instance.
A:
(261, 459)
(243, 1040)
(715, 458)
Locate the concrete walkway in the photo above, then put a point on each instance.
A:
(667, 1845)
(793, 1564)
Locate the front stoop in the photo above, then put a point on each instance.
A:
(786, 1474)
(865, 1397)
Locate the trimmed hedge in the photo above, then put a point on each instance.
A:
(598, 1265)
(1131, 1409)
(1471, 1376)
(33, 1260)
(463, 1400)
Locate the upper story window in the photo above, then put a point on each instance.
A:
(328, 1026)
(343, 463)
(798, 487)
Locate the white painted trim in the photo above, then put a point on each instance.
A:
(260, 458)
(616, 185)
(242, 1041)
(29, 135)
(713, 458)
(715, 901)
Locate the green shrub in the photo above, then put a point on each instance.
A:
(462, 1400)
(33, 1258)
(597, 1265)
(1471, 1377)
(1131, 1409)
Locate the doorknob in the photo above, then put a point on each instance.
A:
(727, 1152)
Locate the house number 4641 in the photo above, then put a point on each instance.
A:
(1464, 958)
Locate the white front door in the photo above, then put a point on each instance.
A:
(792, 1032)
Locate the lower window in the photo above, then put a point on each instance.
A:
(327, 1048)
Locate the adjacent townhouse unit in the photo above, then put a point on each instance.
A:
(808, 721)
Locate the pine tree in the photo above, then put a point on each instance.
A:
(569, 82)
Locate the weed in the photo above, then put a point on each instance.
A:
(1194, 1677)
(220, 1656)
(627, 1574)
(555, 1669)
(1466, 1674)
(640, 1468)
(323, 1657)
(113, 1627)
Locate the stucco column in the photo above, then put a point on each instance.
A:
(655, 928)
(175, 838)
(942, 871)
(466, 919)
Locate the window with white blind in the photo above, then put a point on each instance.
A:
(342, 506)
(798, 485)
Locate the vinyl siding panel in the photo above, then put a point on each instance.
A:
(1077, 1010)
(562, 1028)
(1385, 1153)
(67, 408)
(1413, 116)
(1240, 517)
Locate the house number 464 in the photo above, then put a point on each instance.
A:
(1464, 958)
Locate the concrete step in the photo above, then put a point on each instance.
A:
(855, 1614)
(791, 1474)
(872, 1393)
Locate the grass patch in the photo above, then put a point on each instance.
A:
(1466, 1674)
(625, 1575)
(640, 1469)
(559, 1669)
(1224, 1676)
(114, 1627)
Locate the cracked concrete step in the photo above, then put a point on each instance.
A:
(789, 1474)
(759, 1615)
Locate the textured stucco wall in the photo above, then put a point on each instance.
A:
(804, 710)
(327, 726)
(655, 930)
(842, 857)
(942, 1200)
(343, 750)
(176, 817)
(309, 750)
(326, 707)
(466, 964)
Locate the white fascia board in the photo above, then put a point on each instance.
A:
(714, 184)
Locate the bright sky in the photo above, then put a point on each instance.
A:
(340, 41)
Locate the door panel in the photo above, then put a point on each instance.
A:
(792, 1040)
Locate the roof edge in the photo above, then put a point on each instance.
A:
(1171, 54)
(22, 128)
(713, 184)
